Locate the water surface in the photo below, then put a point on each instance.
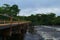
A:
(44, 33)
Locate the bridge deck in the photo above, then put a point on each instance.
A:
(7, 25)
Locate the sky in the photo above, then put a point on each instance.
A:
(29, 7)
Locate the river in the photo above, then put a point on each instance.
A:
(44, 33)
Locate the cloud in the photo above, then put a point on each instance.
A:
(29, 7)
(40, 3)
(30, 11)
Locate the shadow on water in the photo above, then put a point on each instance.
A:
(13, 37)
(16, 35)
(29, 35)
(31, 30)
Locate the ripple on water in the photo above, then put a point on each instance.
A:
(48, 32)
(30, 36)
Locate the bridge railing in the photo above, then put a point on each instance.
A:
(4, 22)
(8, 22)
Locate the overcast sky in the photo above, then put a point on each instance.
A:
(29, 7)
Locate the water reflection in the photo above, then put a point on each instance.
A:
(32, 34)
(44, 33)
(35, 36)
(38, 33)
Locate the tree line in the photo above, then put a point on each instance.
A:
(43, 19)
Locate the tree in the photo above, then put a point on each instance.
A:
(52, 17)
(10, 10)
(14, 10)
(1, 10)
(57, 20)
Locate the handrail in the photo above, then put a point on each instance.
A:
(4, 22)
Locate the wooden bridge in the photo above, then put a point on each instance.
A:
(13, 30)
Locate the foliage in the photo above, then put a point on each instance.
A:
(9, 10)
(44, 19)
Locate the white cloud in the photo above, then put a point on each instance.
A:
(29, 11)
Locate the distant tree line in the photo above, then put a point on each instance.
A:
(43, 19)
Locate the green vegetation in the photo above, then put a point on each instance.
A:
(44, 19)
(7, 11)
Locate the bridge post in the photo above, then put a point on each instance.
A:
(4, 21)
(10, 26)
